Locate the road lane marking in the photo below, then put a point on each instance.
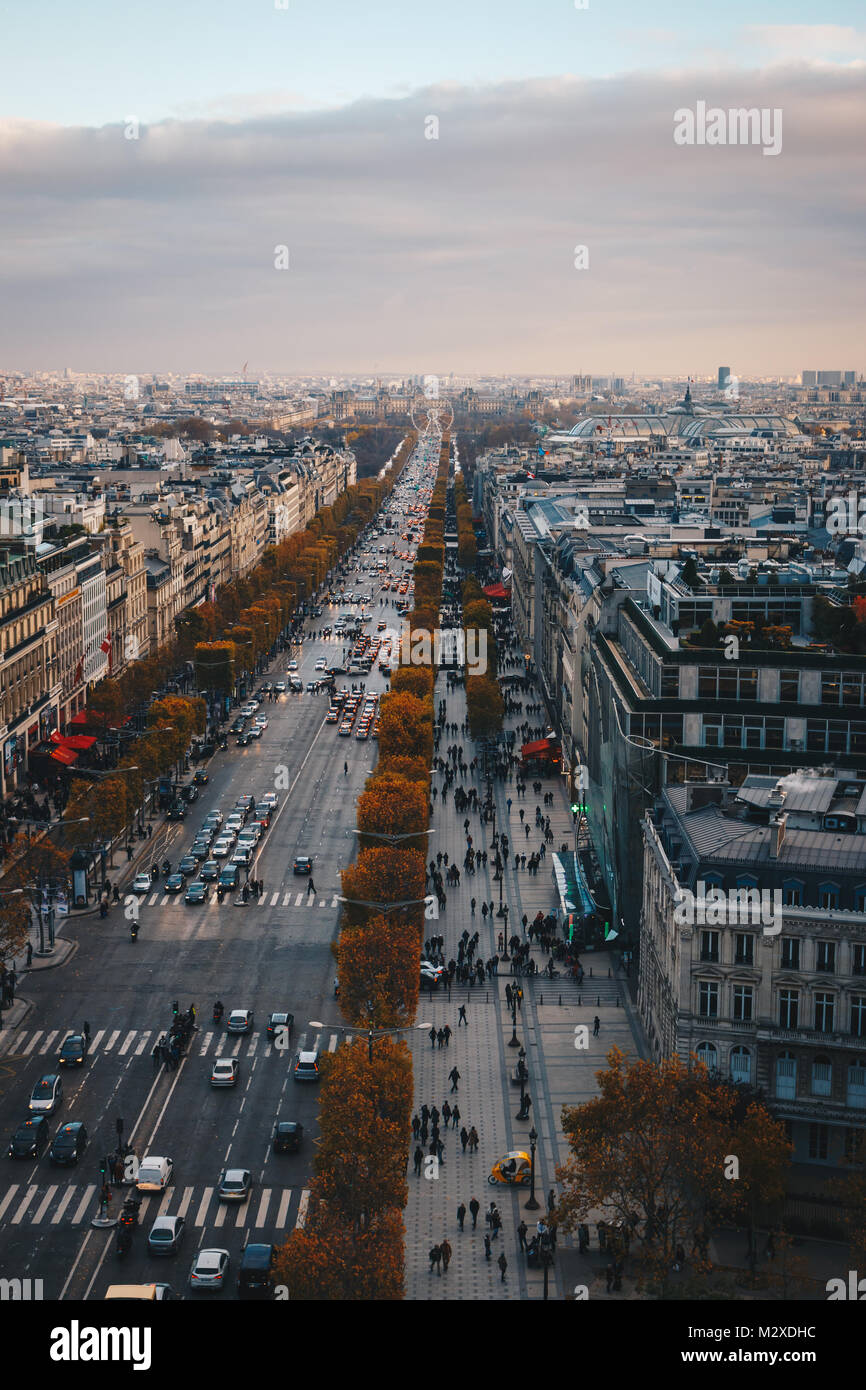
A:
(332, 1045)
(143, 1044)
(220, 1217)
(44, 1204)
(302, 1209)
(283, 1209)
(112, 1040)
(33, 1041)
(203, 1206)
(64, 1203)
(165, 1203)
(25, 1203)
(89, 1194)
(185, 1201)
(7, 1199)
(48, 1041)
(287, 899)
(299, 899)
(243, 1212)
(264, 1203)
(95, 1043)
(206, 1042)
(127, 1043)
(274, 899)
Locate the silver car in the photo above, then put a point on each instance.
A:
(209, 1269)
(46, 1095)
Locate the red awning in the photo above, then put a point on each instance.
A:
(79, 718)
(497, 591)
(80, 742)
(533, 750)
(67, 756)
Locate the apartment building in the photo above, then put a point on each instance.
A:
(29, 682)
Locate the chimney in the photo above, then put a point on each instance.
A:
(777, 834)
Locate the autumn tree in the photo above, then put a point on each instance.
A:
(325, 1262)
(385, 875)
(485, 709)
(406, 726)
(378, 969)
(392, 805)
(215, 666)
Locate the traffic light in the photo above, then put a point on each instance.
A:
(174, 1008)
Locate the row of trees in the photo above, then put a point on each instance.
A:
(351, 1247)
(467, 546)
(485, 708)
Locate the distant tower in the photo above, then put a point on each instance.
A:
(723, 378)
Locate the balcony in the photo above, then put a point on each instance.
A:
(811, 1037)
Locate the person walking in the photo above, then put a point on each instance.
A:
(474, 1209)
(551, 1201)
(446, 1252)
(446, 1033)
(487, 1250)
(440, 1038)
(455, 1117)
(503, 1266)
(596, 1024)
(473, 1139)
(461, 1215)
(29, 955)
(454, 1077)
(461, 1016)
(435, 1258)
(432, 1036)
(311, 888)
(416, 1126)
(464, 1137)
(521, 1235)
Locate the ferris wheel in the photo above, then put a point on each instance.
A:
(431, 414)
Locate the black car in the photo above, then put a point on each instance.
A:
(244, 740)
(190, 793)
(176, 812)
(68, 1144)
(174, 883)
(255, 1277)
(288, 1136)
(30, 1138)
(188, 865)
(74, 1051)
(280, 1020)
(201, 779)
(238, 726)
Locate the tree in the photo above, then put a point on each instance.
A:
(215, 666)
(36, 865)
(392, 805)
(485, 707)
(385, 875)
(413, 680)
(406, 726)
(325, 1262)
(413, 769)
(378, 968)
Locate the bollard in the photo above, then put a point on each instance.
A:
(598, 1002)
(560, 1001)
(580, 1001)
(590, 972)
(541, 999)
(608, 972)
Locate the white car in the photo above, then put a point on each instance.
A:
(280, 687)
(154, 1174)
(223, 848)
(209, 1269)
(293, 666)
(269, 799)
(225, 1071)
(321, 664)
(141, 884)
(260, 721)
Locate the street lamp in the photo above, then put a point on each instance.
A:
(532, 1204)
(372, 1031)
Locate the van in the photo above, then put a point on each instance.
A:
(255, 1276)
(129, 1293)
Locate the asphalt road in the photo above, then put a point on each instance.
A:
(269, 954)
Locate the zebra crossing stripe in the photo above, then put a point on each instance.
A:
(25, 1203)
(243, 1212)
(48, 1041)
(203, 1206)
(283, 1209)
(44, 1204)
(273, 899)
(219, 1219)
(287, 899)
(218, 1050)
(33, 1041)
(10, 1195)
(143, 1044)
(261, 1214)
(64, 1203)
(127, 1043)
(335, 900)
(89, 1194)
(112, 1040)
(185, 1201)
(302, 1210)
(153, 899)
(299, 899)
(207, 1039)
(94, 1045)
(254, 1042)
(332, 1045)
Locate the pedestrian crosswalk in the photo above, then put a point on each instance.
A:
(214, 1042)
(73, 1204)
(281, 898)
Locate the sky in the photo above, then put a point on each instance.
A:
(427, 176)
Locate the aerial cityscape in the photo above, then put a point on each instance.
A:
(433, 670)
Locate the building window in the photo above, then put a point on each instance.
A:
(670, 684)
(742, 1003)
(708, 999)
(825, 957)
(792, 892)
(818, 1141)
(828, 895)
(825, 1005)
(708, 1055)
(710, 946)
(790, 953)
(789, 686)
(858, 1015)
(786, 1077)
(822, 1077)
(789, 1008)
(741, 1065)
(856, 1094)
(744, 948)
(858, 959)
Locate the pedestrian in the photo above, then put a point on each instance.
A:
(495, 1223)
(473, 1139)
(503, 1265)
(446, 1113)
(446, 1033)
(311, 888)
(596, 1024)
(487, 1250)
(609, 1276)
(156, 1054)
(416, 1125)
(29, 955)
(453, 1077)
(551, 1201)
(455, 1117)
(474, 1209)
(445, 1252)
(461, 1017)
(435, 1257)
(461, 1215)
(432, 1036)
(418, 1159)
(464, 1137)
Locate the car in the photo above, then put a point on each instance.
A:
(229, 876)
(235, 1185)
(303, 864)
(238, 726)
(210, 871)
(154, 1173)
(248, 837)
(293, 666)
(252, 705)
(74, 1050)
(189, 793)
(200, 849)
(243, 855)
(224, 1071)
(174, 883)
(196, 892)
(166, 1235)
(260, 721)
(244, 740)
(244, 802)
(240, 1021)
(321, 664)
(255, 732)
(279, 1021)
(46, 1095)
(30, 1138)
(255, 1277)
(265, 689)
(222, 849)
(205, 836)
(68, 1144)
(280, 687)
(296, 686)
(235, 821)
(176, 812)
(306, 1066)
(288, 1136)
(336, 670)
(313, 687)
(201, 779)
(269, 799)
(214, 818)
(188, 865)
(332, 716)
(140, 885)
(209, 1269)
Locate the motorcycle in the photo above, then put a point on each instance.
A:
(129, 1213)
(166, 868)
(133, 931)
(218, 1012)
(154, 872)
(124, 1240)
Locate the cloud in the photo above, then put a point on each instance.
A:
(809, 43)
(158, 253)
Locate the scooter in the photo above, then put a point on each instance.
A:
(133, 931)
(218, 1012)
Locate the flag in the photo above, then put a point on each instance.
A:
(79, 672)
(106, 645)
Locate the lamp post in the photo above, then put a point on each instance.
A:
(532, 1204)
(372, 1031)
(513, 1041)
